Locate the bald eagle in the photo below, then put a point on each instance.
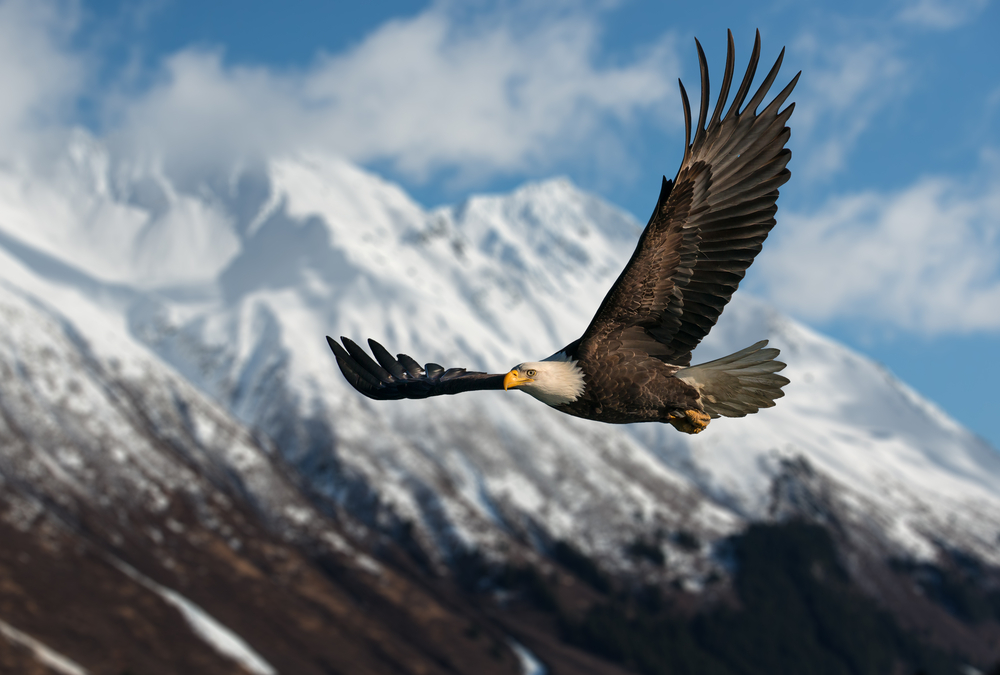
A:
(632, 364)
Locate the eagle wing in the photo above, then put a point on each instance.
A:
(391, 378)
(708, 225)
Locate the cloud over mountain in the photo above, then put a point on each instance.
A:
(924, 258)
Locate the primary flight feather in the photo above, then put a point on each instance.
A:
(632, 363)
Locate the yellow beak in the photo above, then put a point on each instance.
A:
(514, 379)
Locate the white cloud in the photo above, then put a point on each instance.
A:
(921, 259)
(846, 84)
(499, 94)
(507, 92)
(925, 259)
(40, 77)
(941, 14)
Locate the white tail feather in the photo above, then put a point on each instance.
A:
(738, 384)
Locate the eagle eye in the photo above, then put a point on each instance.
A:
(530, 373)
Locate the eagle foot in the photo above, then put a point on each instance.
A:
(690, 421)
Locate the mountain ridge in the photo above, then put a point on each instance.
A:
(317, 246)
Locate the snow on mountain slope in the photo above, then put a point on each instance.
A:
(309, 246)
(90, 419)
(131, 500)
(116, 224)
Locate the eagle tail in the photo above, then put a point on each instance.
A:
(739, 384)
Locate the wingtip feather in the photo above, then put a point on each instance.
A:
(699, 132)
(687, 121)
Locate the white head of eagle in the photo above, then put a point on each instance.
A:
(555, 381)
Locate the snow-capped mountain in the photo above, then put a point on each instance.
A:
(199, 310)
(236, 284)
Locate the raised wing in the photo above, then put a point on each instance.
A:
(708, 225)
(401, 377)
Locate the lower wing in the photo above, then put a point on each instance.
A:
(389, 378)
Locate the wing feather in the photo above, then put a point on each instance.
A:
(385, 359)
(709, 224)
(386, 378)
(413, 368)
(727, 81)
(699, 135)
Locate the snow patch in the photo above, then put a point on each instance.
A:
(220, 638)
(530, 665)
(49, 657)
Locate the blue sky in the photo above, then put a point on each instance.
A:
(888, 234)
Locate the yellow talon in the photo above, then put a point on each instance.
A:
(691, 421)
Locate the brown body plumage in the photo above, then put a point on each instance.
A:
(632, 364)
(626, 387)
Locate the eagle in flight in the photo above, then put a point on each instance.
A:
(633, 363)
